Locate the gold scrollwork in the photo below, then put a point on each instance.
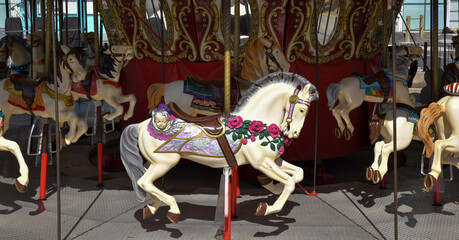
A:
(118, 34)
(211, 44)
(186, 44)
(301, 25)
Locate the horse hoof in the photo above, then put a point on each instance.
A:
(337, 133)
(347, 134)
(146, 212)
(264, 180)
(376, 177)
(21, 188)
(173, 217)
(369, 173)
(261, 210)
(429, 181)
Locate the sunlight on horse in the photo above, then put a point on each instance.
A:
(352, 91)
(262, 57)
(271, 110)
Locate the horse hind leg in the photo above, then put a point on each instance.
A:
(23, 180)
(336, 112)
(375, 166)
(345, 114)
(132, 101)
(155, 171)
(295, 172)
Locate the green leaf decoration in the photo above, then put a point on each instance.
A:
(234, 137)
(247, 122)
(264, 144)
(279, 146)
(261, 137)
(276, 140)
(227, 132)
(238, 131)
(272, 147)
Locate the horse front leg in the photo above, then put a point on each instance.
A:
(132, 101)
(336, 112)
(119, 109)
(295, 172)
(23, 180)
(442, 149)
(375, 166)
(271, 170)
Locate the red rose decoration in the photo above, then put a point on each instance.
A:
(274, 130)
(244, 141)
(256, 127)
(281, 150)
(235, 122)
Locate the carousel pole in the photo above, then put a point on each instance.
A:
(100, 146)
(60, 4)
(96, 30)
(394, 110)
(235, 190)
(226, 5)
(316, 131)
(67, 22)
(384, 61)
(435, 81)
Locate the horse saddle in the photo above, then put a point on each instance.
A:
(26, 85)
(380, 78)
(212, 126)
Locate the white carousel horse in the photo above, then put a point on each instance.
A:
(88, 38)
(351, 93)
(19, 53)
(277, 101)
(445, 114)
(262, 56)
(7, 145)
(107, 89)
(69, 69)
(407, 118)
(38, 50)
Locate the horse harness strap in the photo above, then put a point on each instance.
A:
(294, 99)
(270, 55)
(212, 126)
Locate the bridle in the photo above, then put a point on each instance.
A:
(409, 55)
(270, 55)
(293, 100)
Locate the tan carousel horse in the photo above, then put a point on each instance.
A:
(352, 91)
(96, 87)
(262, 57)
(252, 134)
(445, 150)
(88, 38)
(18, 51)
(38, 50)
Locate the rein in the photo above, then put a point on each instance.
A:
(270, 55)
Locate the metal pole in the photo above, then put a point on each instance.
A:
(237, 23)
(434, 51)
(67, 22)
(7, 8)
(60, 27)
(58, 139)
(444, 33)
(96, 30)
(394, 109)
(43, 21)
(162, 41)
(26, 15)
(316, 130)
(385, 50)
(34, 16)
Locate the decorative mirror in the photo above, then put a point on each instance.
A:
(328, 21)
(245, 21)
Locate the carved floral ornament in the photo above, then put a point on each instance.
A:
(193, 28)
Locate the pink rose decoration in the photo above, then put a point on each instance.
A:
(235, 122)
(252, 138)
(281, 150)
(244, 141)
(274, 130)
(288, 141)
(256, 127)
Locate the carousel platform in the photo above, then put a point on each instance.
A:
(349, 209)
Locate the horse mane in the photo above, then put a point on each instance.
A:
(108, 63)
(10, 39)
(251, 64)
(289, 78)
(412, 73)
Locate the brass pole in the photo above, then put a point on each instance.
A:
(385, 50)
(96, 30)
(227, 58)
(434, 51)
(49, 32)
(237, 13)
(394, 110)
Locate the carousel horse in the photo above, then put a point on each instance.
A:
(24, 95)
(352, 91)
(4, 56)
(205, 96)
(88, 38)
(250, 135)
(451, 71)
(407, 119)
(19, 53)
(7, 145)
(96, 87)
(38, 50)
(445, 115)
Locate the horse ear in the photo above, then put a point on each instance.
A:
(65, 49)
(266, 42)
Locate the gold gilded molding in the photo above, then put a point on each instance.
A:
(186, 44)
(267, 28)
(211, 45)
(115, 31)
(300, 11)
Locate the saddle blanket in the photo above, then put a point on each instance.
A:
(452, 89)
(78, 87)
(413, 117)
(374, 89)
(15, 97)
(193, 140)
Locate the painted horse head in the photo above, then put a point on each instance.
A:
(87, 38)
(412, 53)
(69, 60)
(116, 57)
(255, 66)
(34, 39)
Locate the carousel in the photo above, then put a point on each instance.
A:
(238, 119)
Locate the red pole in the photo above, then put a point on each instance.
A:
(100, 173)
(382, 184)
(44, 164)
(437, 194)
(227, 234)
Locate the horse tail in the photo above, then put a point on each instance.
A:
(131, 158)
(155, 94)
(332, 94)
(428, 115)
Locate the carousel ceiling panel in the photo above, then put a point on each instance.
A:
(192, 29)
